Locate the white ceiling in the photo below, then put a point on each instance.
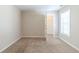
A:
(39, 7)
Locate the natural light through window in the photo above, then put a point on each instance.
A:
(65, 23)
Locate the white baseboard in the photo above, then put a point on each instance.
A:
(33, 37)
(9, 44)
(73, 46)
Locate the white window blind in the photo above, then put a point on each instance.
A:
(65, 23)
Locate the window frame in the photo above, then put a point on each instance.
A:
(62, 31)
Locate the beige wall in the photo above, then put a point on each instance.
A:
(9, 26)
(74, 26)
(33, 24)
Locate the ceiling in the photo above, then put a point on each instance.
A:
(39, 7)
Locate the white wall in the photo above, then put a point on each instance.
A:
(33, 24)
(9, 25)
(74, 32)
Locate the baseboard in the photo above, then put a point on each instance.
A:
(9, 45)
(33, 37)
(73, 46)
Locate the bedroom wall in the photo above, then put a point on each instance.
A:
(73, 39)
(10, 22)
(33, 24)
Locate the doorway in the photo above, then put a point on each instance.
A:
(50, 24)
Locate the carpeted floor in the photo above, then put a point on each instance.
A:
(31, 45)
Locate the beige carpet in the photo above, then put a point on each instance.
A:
(31, 45)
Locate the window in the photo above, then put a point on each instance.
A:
(65, 23)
